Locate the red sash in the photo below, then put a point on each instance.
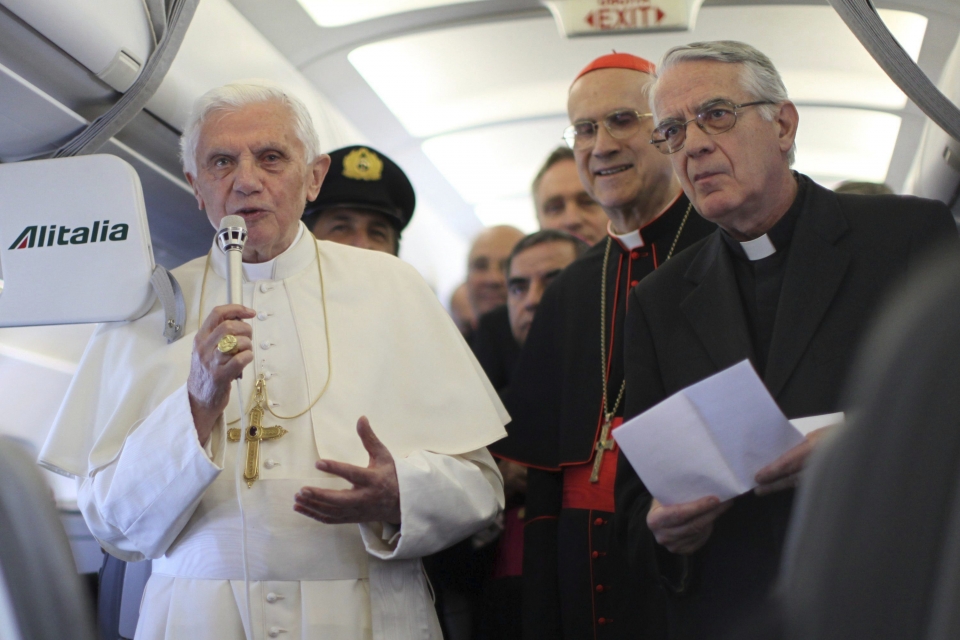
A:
(580, 493)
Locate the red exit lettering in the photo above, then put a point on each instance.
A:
(610, 19)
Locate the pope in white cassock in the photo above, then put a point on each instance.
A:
(334, 344)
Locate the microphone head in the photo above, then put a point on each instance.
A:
(232, 234)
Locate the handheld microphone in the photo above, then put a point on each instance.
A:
(231, 237)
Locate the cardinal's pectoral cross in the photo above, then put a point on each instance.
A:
(254, 434)
(605, 443)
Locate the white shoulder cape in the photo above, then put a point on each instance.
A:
(396, 357)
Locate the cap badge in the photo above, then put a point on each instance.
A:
(362, 164)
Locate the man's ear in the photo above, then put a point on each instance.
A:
(318, 171)
(196, 191)
(787, 121)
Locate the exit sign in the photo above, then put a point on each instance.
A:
(606, 17)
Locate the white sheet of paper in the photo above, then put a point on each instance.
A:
(812, 423)
(708, 439)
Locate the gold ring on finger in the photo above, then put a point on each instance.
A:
(227, 344)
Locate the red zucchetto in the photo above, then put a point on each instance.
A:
(619, 61)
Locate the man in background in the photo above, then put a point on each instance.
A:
(563, 203)
(459, 573)
(487, 267)
(533, 264)
(366, 201)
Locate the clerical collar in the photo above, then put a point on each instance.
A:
(629, 241)
(290, 261)
(635, 239)
(779, 236)
(253, 271)
(758, 248)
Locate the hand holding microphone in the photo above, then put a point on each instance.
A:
(223, 345)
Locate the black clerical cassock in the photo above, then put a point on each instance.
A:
(796, 308)
(574, 577)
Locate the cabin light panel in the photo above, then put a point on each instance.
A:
(337, 13)
(836, 144)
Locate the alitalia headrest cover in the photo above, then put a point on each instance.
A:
(74, 242)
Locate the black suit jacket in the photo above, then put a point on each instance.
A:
(686, 322)
(495, 347)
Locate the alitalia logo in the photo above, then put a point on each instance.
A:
(49, 235)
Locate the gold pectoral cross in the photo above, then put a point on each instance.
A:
(605, 443)
(254, 434)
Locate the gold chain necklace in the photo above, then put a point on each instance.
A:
(326, 331)
(608, 415)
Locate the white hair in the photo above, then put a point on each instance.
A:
(234, 96)
(758, 76)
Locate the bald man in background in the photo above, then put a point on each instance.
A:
(487, 267)
(459, 573)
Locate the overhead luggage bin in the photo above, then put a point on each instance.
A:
(115, 39)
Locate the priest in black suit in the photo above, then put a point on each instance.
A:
(789, 281)
(566, 392)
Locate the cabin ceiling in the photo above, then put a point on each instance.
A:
(468, 97)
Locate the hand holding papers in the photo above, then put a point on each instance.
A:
(711, 438)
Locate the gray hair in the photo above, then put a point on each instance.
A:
(234, 96)
(758, 76)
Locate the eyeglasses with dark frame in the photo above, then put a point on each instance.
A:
(620, 124)
(717, 117)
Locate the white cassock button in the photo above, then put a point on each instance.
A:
(271, 597)
(264, 287)
(275, 631)
(262, 315)
(270, 464)
(265, 345)
(267, 375)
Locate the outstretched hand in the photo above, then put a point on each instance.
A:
(375, 496)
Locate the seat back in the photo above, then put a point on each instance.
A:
(42, 586)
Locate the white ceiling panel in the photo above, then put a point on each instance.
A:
(462, 77)
(495, 162)
(835, 144)
(517, 212)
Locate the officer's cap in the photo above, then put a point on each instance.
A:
(361, 177)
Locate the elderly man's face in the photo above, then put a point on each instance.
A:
(731, 177)
(617, 173)
(250, 163)
(487, 268)
(531, 271)
(357, 228)
(563, 203)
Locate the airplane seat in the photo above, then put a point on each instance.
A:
(37, 571)
(121, 590)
